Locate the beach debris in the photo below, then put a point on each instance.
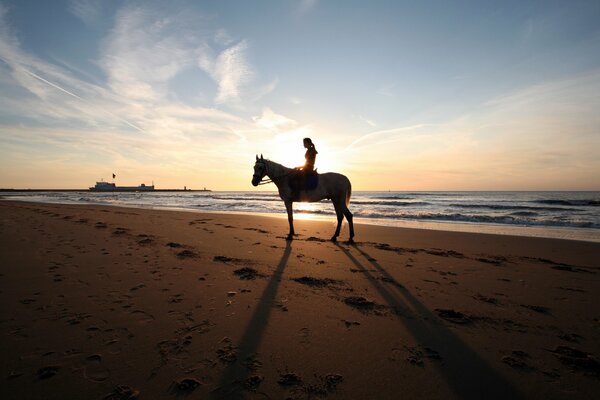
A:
(231, 293)
(122, 392)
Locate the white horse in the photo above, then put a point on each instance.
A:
(331, 186)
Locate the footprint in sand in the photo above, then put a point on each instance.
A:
(94, 370)
(142, 316)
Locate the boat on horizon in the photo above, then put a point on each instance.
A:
(112, 187)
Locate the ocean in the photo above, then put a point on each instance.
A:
(568, 215)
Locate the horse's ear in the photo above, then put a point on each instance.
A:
(261, 157)
(257, 157)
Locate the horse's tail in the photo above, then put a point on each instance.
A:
(348, 193)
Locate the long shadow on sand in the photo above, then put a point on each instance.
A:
(468, 375)
(232, 381)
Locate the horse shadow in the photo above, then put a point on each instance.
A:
(234, 379)
(467, 374)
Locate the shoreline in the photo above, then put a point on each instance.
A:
(549, 232)
(107, 301)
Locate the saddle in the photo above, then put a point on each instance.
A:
(304, 180)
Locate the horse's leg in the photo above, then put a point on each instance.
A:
(340, 216)
(348, 216)
(288, 207)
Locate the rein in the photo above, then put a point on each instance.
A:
(269, 180)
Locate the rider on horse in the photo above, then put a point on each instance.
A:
(310, 155)
(298, 182)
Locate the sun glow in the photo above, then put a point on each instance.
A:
(287, 149)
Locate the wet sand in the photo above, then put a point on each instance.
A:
(121, 303)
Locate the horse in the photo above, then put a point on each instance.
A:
(331, 185)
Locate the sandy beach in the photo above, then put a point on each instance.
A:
(121, 303)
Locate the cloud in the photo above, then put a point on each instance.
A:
(223, 38)
(271, 120)
(144, 51)
(136, 98)
(88, 11)
(368, 121)
(229, 70)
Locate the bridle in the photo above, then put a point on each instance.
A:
(268, 180)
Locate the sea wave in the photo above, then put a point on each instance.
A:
(507, 207)
(391, 203)
(393, 197)
(487, 219)
(584, 202)
(249, 198)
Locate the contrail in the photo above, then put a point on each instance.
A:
(123, 120)
(85, 101)
(378, 133)
(52, 84)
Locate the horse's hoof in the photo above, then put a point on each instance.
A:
(289, 237)
(333, 239)
(350, 241)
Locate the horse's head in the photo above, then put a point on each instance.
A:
(260, 170)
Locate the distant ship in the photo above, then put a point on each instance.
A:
(111, 187)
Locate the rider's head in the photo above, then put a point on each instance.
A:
(308, 143)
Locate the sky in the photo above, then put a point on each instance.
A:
(396, 95)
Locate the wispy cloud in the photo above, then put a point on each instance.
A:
(229, 70)
(270, 120)
(384, 136)
(368, 121)
(133, 121)
(88, 11)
